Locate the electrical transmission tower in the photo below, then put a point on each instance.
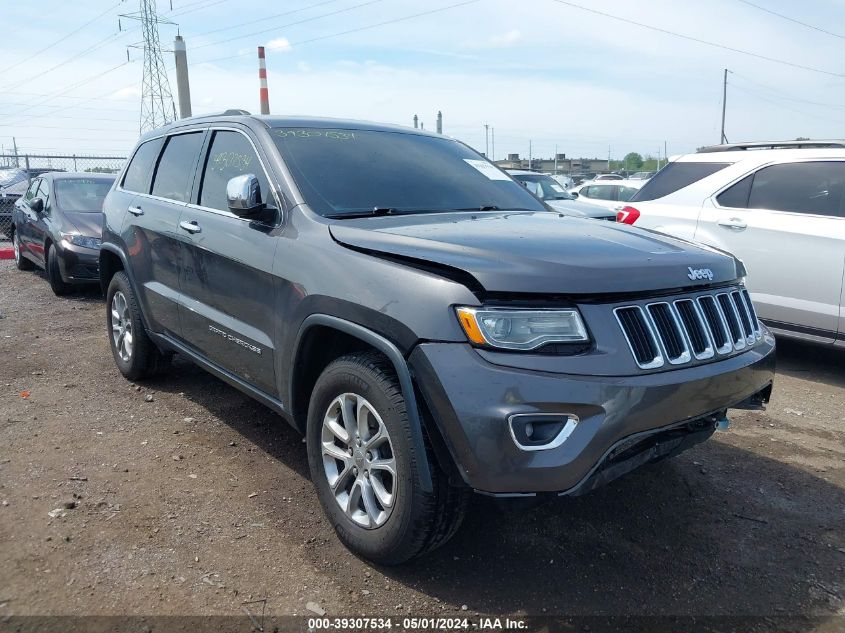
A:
(157, 107)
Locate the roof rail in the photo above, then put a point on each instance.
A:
(730, 147)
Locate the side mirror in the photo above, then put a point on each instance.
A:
(243, 195)
(574, 194)
(37, 205)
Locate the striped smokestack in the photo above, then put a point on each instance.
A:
(263, 94)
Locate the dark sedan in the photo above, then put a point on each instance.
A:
(57, 225)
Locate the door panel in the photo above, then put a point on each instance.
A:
(795, 259)
(28, 217)
(152, 235)
(227, 311)
(227, 280)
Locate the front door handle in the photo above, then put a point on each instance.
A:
(136, 211)
(190, 227)
(735, 224)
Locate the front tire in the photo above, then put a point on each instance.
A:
(54, 275)
(135, 355)
(365, 468)
(21, 262)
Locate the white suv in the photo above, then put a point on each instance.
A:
(777, 206)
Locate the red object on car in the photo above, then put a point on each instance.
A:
(627, 215)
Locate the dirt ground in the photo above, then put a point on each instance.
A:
(189, 498)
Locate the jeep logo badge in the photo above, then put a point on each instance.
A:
(700, 273)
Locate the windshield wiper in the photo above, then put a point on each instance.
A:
(374, 212)
(491, 207)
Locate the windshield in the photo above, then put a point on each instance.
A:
(544, 187)
(82, 194)
(11, 176)
(357, 171)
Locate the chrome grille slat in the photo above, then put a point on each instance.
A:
(697, 327)
(744, 317)
(669, 334)
(728, 309)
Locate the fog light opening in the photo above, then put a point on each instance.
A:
(541, 431)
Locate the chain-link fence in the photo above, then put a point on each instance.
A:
(18, 170)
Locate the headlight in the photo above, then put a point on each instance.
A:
(82, 240)
(521, 329)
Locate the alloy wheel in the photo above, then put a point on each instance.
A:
(358, 460)
(121, 326)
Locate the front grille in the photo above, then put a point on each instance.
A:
(690, 327)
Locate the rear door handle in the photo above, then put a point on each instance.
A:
(190, 227)
(735, 224)
(136, 211)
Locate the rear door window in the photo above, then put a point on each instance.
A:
(138, 173)
(176, 167)
(674, 177)
(812, 187)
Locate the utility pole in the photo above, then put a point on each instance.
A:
(439, 122)
(15, 145)
(665, 154)
(723, 138)
(416, 122)
(493, 143)
(183, 86)
(486, 140)
(157, 107)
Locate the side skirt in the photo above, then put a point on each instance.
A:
(264, 398)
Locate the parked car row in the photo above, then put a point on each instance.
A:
(430, 323)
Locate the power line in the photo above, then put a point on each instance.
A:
(786, 107)
(355, 30)
(73, 87)
(29, 58)
(786, 17)
(282, 26)
(786, 96)
(697, 40)
(265, 18)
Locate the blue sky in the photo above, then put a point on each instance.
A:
(535, 70)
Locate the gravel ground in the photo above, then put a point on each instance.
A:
(182, 496)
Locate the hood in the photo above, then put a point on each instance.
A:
(542, 252)
(87, 224)
(580, 209)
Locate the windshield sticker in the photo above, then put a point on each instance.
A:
(492, 172)
(338, 135)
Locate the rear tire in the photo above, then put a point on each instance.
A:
(135, 355)
(21, 262)
(413, 521)
(54, 275)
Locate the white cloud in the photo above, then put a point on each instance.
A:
(130, 93)
(279, 44)
(506, 39)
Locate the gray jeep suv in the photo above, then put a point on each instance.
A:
(430, 326)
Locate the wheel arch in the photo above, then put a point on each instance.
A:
(111, 261)
(348, 336)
